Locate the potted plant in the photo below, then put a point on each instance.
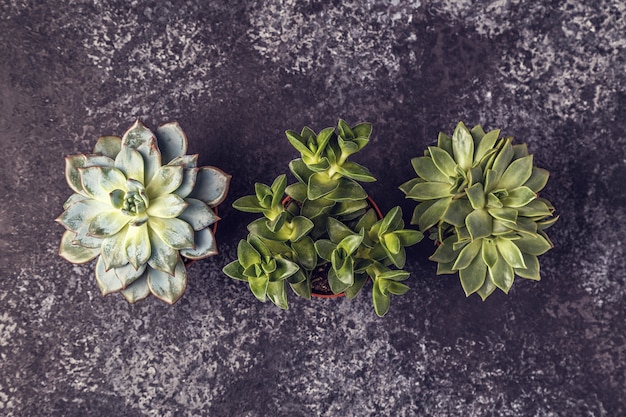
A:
(326, 229)
(143, 208)
(477, 194)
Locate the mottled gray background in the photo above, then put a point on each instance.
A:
(236, 74)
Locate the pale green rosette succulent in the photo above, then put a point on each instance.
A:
(141, 206)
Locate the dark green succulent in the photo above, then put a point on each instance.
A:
(478, 195)
(326, 223)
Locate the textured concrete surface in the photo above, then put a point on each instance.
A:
(236, 74)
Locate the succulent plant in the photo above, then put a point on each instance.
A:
(326, 225)
(141, 206)
(477, 193)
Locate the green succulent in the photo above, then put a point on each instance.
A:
(141, 206)
(477, 193)
(326, 222)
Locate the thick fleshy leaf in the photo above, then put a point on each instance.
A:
(165, 181)
(107, 223)
(300, 170)
(426, 169)
(380, 300)
(98, 182)
(305, 253)
(487, 289)
(211, 186)
(258, 286)
(325, 248)
(504, 157)
(510, 252)
(476, 196)
(433, 213)
(137, 135)
(137, 245)
(108, 146)
(74, 163)
(425, 191)
(504, 214)
(532, 270)
(167, 206)
(113, 252)
(175, 232)
(198, 214)
(320, 185)
(172, 141)
(205, 245)
(284, 269)
(409, 237)
(298, 142)
(166, 287)
(479, 224)
(277, 294)
(356, 172)
(538, 179)
(489, 252)
(339, 280)
(247, 204)
(347, 190)
(486, 144)
(536, 208)
(519, 197)
(445, 252)
(72, 175)
(138, 290)
(457, 212)
(300, 226)
(107, 281)
(444, 142)
(533, 244)
(127, 274)
(467, 255)
(75, 253)
(162, 256)
(517, 173)
(80, 214)
(463, 146)
(73, 199)
(130, 163)
(473, 276)
(443, 160)
(502, 275)
(247, 254)
(235, 271)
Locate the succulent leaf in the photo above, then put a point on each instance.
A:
(107, 280)
(132, 211)
(166, 287)
(172, 141)
(76, 253)
(138, 290)
(108, 146)
(211, 186)
(205, 245)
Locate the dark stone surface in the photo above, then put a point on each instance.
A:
(236, 75)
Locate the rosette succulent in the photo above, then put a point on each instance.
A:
(477, 193)
(141, 206)
(327, 225)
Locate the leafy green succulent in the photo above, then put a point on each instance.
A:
(141, 206)
(478, 195)
(326, 225)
